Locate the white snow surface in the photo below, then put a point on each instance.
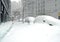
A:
(38, 32)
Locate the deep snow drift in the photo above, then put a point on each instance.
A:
(38, 32)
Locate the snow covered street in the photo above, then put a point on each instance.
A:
(38, 32)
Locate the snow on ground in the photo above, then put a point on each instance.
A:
(4, 28)
(38, 32)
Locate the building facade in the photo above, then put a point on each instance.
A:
(4, 10)
(41, 7)
(52, 7)
(33, 7)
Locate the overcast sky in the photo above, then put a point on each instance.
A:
(15, 0)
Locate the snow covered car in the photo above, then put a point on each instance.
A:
(39, 19)
(29, 19)
(47, 19)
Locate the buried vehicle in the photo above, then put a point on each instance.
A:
(47, 19)
(29, 19)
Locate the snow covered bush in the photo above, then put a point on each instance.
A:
(47, 19)
(29, 19)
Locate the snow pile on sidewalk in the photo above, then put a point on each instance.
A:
(4, 27)
(38, 32)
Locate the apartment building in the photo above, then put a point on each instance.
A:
(41, 7)
(33, 7)
(52, 7)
